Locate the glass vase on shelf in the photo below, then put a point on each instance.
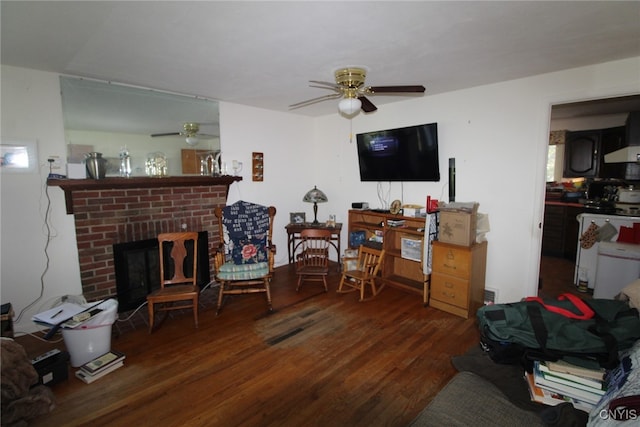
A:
(156, 164)
(125, 163)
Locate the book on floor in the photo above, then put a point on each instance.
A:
(592, 386)
(569, 368)
(552, 398)
(589, 396)
(102, 362)
(87, 378)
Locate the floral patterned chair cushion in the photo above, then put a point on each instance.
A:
(249, 250)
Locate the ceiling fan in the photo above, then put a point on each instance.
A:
(350, 87)
(191, 131)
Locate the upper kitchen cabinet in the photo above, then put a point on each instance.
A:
(581, 156)
(585, 151)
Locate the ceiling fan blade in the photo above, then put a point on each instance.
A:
(166, 134)
(205, 136)
(335, 89)
(396, 89)
(367, 106)
(329, 84)
(314, 100)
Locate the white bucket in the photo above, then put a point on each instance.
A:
(93, 338)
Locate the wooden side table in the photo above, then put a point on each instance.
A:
(293, 237)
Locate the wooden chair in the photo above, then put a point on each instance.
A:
(368, 265)
(180, 291)
(243, 262)
(312, 264)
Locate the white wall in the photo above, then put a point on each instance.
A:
(287, 144)
(497, 133)
(31, 110)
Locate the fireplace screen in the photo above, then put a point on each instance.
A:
(137, 269)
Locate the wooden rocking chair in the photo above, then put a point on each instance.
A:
(364, 274)
(244, 261)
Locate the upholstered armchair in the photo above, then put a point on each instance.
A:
(244, 260)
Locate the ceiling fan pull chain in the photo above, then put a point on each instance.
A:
(351, 130)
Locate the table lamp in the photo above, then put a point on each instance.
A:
(315, 196)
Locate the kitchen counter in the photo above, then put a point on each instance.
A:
(561, 203)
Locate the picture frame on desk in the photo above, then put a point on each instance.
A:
(297, 217)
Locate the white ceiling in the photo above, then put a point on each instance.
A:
(263, 53)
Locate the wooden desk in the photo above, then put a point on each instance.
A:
(293, 237)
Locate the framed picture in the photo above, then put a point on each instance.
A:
(19, 156)
(297, 217)
(113, 166)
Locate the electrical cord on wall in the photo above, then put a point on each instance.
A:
(46, 247)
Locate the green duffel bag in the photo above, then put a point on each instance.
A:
(553, 329)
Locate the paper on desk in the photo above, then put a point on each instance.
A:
(68, 311)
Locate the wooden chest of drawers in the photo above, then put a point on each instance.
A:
(457, 278)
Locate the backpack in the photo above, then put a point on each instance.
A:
(537, 329)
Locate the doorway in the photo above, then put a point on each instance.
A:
(557, 271)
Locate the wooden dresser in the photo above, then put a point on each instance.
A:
(457, 278)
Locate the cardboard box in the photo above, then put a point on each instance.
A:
(458, 227)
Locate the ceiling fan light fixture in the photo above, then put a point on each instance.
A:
(192, 140)
(349, 106)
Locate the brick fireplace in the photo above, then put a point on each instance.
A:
(118, 210)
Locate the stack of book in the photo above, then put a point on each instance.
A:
(553, 383)
(100, 366)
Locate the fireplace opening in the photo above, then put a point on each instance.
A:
(137, 268)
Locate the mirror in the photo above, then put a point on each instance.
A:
(108, 117)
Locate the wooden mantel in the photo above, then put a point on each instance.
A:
(71, 185)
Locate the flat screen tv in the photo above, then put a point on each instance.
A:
(403, 154)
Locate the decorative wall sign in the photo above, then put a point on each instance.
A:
(257, 166)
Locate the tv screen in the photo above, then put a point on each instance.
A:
(403, 154)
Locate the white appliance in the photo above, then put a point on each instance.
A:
(618, 266)
(588, 258)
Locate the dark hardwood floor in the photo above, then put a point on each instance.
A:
(556, 275)
(320, 359)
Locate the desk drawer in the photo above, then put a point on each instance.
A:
(452, 260)
(450, 290)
